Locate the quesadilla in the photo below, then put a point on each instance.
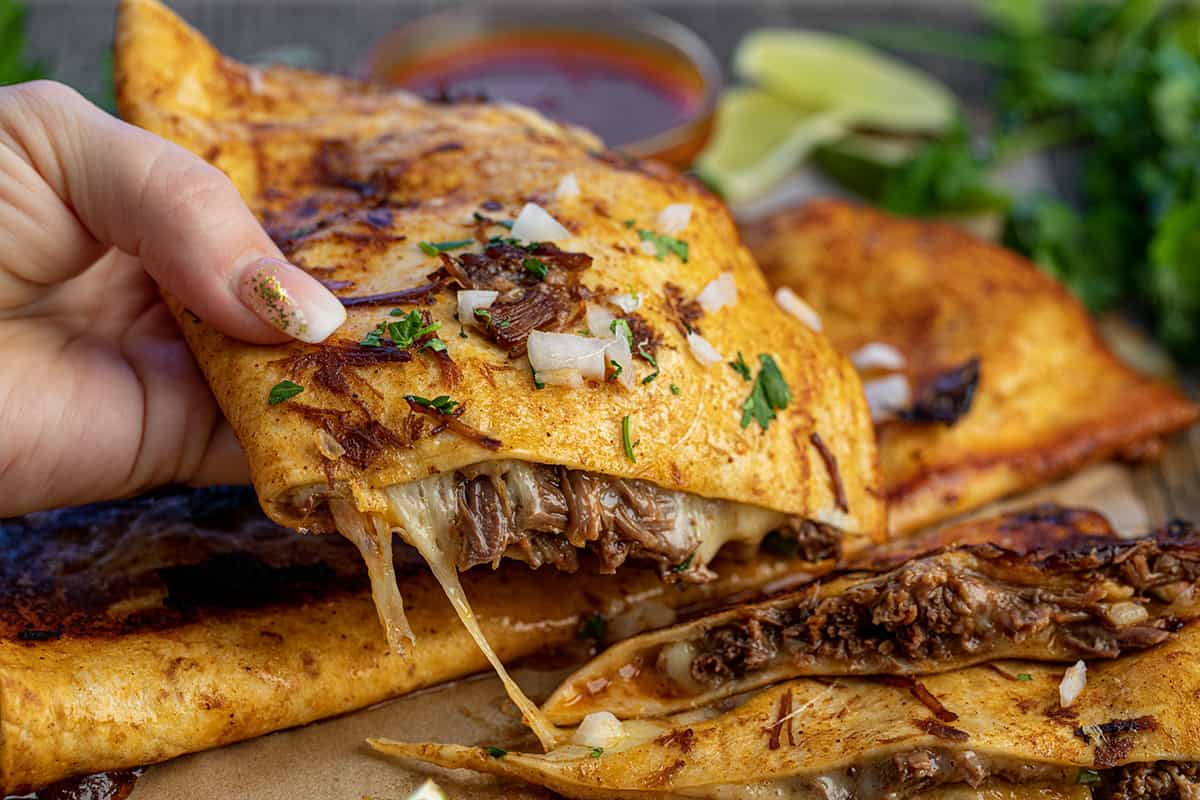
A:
(1085, 596)
(524, 372)
(1125, 728)
(135, 631)
(984, 374)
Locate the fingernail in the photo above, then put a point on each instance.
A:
(286, 297)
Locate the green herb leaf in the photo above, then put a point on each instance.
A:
(536, 383)
(441, 403)
(537, 267)
(774, 385)
(1087, 776)
(1024, 676)
(683, 565)
(483, 314)
(674, 390)
(665, 245)
(741, 367)
(629, 223)
(433, 248)
(594, 628)
(620, 327)
(651, 360)
(597, 752)
(407, 330)
(282, 391)
(495, 752)
(628, 443)
(374, 338)
(756, 407)
(436, 345)
(616, 370)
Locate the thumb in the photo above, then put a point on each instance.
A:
(181, 216)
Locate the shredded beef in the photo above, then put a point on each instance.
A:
(1159, 780)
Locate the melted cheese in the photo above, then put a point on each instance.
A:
(423, 513)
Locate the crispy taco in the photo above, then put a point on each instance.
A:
(135, 631)
(1071, 596)
(984, 374)
(525, 372)
(1125, 728)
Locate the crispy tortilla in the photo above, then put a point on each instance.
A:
(1080, 595)
(454, 446)
(135, 631)
(855, 736)
(1050, 396)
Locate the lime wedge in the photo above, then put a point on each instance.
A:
(758, 139)
(825, 72)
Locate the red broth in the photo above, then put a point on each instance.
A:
(622, 91)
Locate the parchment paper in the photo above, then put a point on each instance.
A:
(330, 760)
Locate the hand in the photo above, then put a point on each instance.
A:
(99, 395)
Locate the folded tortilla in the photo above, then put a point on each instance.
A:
(411, 422)
(1073, 596)
(1132, 732)
(1010, 384)
(136, 631)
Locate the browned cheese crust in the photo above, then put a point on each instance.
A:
(1050, 396)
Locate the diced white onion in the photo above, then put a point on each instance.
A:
(568, 187)
(719, 293)
(599, 729)
(674, 219)
(535, 224)
(790, 302)
(1124, 614)
(704, 352)
(559, 377)
(627, 302)
(599, 321)
(428, 791)
(619, 353)
(558, 351)
(1072, 684)
(877, 355)
(886, 396)
(471, 299)
(648, 248)
(675, 661)
(328, 446)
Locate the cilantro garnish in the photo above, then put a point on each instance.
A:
(483, 314)
(768, 394)
(665, 245)
(1024, 676)
(1086, 776)
(536, 266)
(441, 403)
(620, 327)
(374, 337)
(536, 383)
(282, 391)
(495, 752)
(594, 627)
(674, 390)
(741, 367)
(651, 360)
(410, 328)
(617, 370)
(629, 223)
(597, 752)
(503, 223)
(433, 248)
(683, 565)
(626, 440)
(435, 344)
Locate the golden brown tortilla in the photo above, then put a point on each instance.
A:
(1051, 397)
(288, 138)
(136, 631)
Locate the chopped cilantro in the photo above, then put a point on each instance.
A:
(374, 338)
(536, 383)
(629, 223)
(504, 323)
(495, 752)
(1024, 676)
(597, 752)
(483, 314)
(674, 390)
(644, 353)
(282, 391)
(683, 565)
(741, 367)
(436, 345)
(665, 245)
(769, 394)
(617, 370)
(594, 628)
(620, 327)
(537, 267)
(433, 248)
(412, 327)
(625, 440)
(462, 332)
(441, 403)
(1086, 776)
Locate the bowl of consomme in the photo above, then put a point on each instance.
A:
(642, 82)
